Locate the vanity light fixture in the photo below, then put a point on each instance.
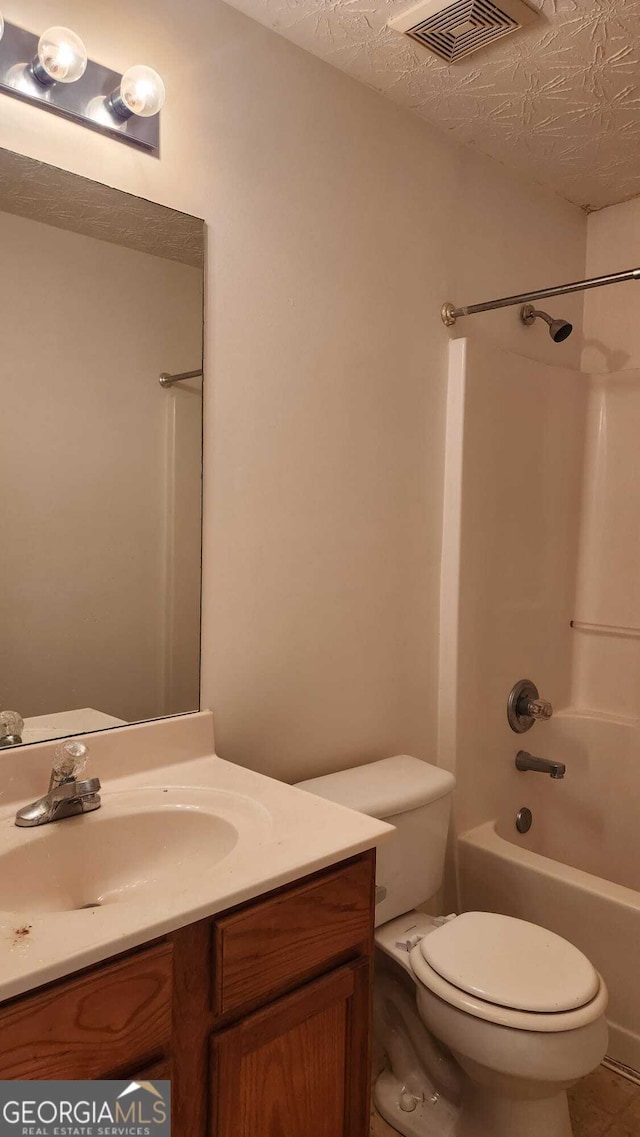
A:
(141, 92)
(53, 71)
(61, 57)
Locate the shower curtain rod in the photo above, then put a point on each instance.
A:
(167, 380)
(450, 313)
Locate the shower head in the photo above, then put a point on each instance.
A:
(559, 330)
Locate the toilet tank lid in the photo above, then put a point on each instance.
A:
(385, 788)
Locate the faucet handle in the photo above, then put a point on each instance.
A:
(524, 706)
(11, 728)
(535, 708)
(69, 760)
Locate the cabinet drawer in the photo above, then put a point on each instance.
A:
(271, 947)
(109, 1020)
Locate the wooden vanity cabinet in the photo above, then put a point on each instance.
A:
(308, 1053)
(260, 1016)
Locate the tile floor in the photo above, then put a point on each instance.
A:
(602, 1105)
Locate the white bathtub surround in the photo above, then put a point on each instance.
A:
(181, 834)
(541, 528)
(606, 637)
(515, 442)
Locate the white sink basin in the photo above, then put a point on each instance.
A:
(140, 843)
(181, 835)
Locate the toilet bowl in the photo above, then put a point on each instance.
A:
(485, 1020)
(519, 1009)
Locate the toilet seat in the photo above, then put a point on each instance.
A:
(505, 1016)
(550, 987)
(511, 963)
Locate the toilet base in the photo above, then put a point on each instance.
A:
(432, 1118)
(481, 1114)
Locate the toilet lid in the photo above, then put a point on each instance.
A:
(511, 963)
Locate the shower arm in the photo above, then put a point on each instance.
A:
(450, 313)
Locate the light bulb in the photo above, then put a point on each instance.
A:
(61, 58)
(141, 92)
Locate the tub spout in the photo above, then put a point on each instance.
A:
(525, 761)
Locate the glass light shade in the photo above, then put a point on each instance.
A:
(62, 55)
(142, 91)
(1, 25)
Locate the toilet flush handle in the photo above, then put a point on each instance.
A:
(409, 942)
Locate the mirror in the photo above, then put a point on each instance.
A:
(100, 465)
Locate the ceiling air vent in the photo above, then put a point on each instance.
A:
(453, 30)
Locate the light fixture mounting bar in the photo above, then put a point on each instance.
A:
(83, 101)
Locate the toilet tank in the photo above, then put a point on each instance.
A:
(413, 796)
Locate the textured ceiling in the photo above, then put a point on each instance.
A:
(57, 197)
(558, 101)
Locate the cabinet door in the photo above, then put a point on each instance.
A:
(300, 1066)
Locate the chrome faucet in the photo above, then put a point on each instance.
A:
(525, 761)
(11, 728)
(67, 796)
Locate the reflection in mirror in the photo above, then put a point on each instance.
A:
(100, 465)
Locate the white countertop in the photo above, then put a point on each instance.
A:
(285, 834)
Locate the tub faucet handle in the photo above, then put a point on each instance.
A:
(535, 708)
(525, 707)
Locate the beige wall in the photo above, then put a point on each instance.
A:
(88, 582)
(338, 224)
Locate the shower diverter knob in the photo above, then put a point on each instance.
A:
(524, 706)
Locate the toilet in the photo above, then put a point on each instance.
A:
(485, 1020)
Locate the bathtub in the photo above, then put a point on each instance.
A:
(577, 871)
